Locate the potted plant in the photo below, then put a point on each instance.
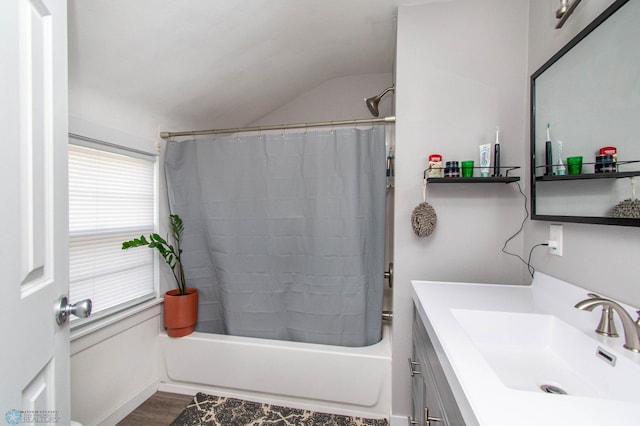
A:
(180, 304)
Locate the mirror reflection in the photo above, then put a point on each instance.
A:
(586, 103)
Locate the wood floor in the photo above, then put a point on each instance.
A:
(159, 410)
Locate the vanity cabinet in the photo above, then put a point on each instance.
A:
(433, 403)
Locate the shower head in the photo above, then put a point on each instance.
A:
(372, 102)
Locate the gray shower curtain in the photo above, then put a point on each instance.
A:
(284, 233)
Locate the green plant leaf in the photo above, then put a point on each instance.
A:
(136, 242)
(170, 253)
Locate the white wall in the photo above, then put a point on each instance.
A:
(600, 258)
(98, 108)
(461, 70)
(115, 368)
(337, 99)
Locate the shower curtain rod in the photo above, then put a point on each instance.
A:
(391, 119)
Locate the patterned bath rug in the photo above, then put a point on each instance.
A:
(211, 410)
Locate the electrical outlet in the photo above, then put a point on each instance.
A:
(555, 239)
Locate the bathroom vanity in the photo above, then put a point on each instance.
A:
(504, 355)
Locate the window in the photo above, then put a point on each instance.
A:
(111, 200)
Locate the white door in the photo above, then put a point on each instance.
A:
(34, 359)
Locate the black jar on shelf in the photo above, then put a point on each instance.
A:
(605, 164)
(452, 169)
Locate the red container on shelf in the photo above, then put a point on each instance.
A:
(435, 168)
(609, 150)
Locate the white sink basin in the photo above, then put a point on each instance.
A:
(528, 351)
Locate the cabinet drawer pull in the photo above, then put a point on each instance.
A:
(428, 419)
(411, 370)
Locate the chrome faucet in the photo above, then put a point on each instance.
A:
(631, 327)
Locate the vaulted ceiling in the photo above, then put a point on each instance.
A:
(193, 61)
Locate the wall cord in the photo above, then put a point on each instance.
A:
(527, 262)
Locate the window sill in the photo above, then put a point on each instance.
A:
(83, 337)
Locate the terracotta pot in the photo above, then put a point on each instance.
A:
(180, 312)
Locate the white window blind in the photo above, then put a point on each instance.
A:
(111, 200)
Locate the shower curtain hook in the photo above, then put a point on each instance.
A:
(306, 129)
(283, 130)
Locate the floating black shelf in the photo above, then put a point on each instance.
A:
(612, 175)
(490, 179)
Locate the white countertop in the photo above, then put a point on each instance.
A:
(482, 396)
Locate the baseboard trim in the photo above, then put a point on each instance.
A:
(125, 409)
(181, 389)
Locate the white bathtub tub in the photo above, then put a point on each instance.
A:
(350, 381)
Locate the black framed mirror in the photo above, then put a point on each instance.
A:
(587, 97)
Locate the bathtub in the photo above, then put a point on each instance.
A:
(341, 380)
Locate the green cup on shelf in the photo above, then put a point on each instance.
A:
(574, 165)
(467, 168)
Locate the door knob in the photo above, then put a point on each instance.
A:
(64, 309)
